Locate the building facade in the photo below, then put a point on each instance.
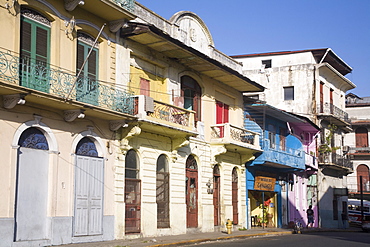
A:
(117, 123)
(312, 83)
(357, 145)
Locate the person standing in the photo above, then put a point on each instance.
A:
(310, 216)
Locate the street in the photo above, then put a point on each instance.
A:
(317, 239)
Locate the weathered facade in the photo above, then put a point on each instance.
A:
(357, 145)
(312, 83)
(117, 123)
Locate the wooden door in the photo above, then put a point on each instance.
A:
(222, 116)
(235, 197)
(89, 179)
(216, 199)
(191, 198)
(363, 170)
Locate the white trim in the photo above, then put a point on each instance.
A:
(52, 141)
(97, 141)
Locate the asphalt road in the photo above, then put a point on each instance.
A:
(317, 239)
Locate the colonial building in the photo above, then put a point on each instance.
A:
(357, 145)
(312, 83)
(117, 123)
(277, 179)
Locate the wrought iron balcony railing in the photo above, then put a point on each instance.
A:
(336, 159)
(56, 81)
(330, 109)
(228, 133)
(126, 4)
(147, 108)
(311, 160)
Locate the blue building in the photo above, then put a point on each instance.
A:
(270, 176)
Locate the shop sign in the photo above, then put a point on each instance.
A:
(264, 183)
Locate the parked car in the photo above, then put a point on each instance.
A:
(366, 223)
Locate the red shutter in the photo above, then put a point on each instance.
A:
(144, 87)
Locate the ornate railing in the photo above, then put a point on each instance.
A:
(171, 113)
(232, 133)
(336, 159)
(56, 81)
(126, 4)
(328, 108)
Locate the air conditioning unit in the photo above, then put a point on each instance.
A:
(148, 104)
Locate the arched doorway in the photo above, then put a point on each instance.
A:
(132, 193)
(89, 184)
(31, 186)
(216, 195)
(363, 171)
(234, 199)
(163, 192)
(191, 192)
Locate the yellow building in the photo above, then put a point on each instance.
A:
(116, 123)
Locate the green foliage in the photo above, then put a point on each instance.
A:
(326, 148)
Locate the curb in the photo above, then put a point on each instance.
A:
(194, 241)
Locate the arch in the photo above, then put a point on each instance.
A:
(191, 93)
(363, 171)
(177, 17)
(191, 189)
(93, 137)
(46, 131)
(86, 147)
(33, 138)
(132, 193)
(235, 195)
(217, 195)
(163, 192)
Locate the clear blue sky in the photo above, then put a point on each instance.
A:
(246, 26)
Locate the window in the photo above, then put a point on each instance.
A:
(267, 63)
(87, 85)
(288, 93)
(222, 116)
(144, 87)
(191, 92)
(163, 200)
(35, 49)
(271, 135)
(282, 137)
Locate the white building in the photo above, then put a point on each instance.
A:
(312, 83)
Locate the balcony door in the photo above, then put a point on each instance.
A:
(35, 51)
(87, 89)
(362, 138)
(363, 171)
(222, 116)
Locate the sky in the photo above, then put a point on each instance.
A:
(254, 26)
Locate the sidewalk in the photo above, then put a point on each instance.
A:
(193, 238)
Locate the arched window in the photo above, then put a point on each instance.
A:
(363, 171)
(191, 92)
(132, 193)
(86, 147)
(33, 138)
(163, 186)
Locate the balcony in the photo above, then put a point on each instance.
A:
(335, 161)
(311, 161)
(334, 114)
(35, 78)
(289, 158)
(234, 138)
(161, 114)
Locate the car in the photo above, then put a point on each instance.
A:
(366, 223)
